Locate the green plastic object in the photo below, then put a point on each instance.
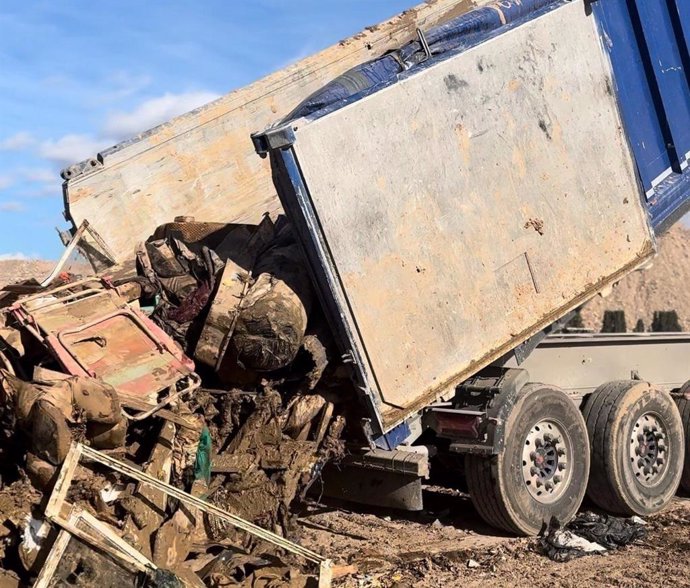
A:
(202, 465)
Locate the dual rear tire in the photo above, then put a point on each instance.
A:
(628, 432)
(638, 448)
(542, 470)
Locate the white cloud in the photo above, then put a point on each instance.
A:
(40, 175)
(53, 190)
(6, 181)
(37, 182)
(17, 142)
(73, 148)
(304, 52)
(154, 112)
(16, 256)
(11, 206)
(124, 84)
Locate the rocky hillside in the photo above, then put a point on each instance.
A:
(18, 270)
(661, 287)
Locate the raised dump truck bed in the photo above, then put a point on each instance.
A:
(454, 213)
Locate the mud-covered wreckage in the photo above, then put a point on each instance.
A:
(198, 419)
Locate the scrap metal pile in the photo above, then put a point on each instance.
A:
(160, 421)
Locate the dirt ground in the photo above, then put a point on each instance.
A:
(452, 547)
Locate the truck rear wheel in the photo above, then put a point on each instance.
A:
(541, 472)
(638, 447)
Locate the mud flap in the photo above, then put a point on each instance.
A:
(390, 479)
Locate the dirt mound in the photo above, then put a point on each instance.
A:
(17, 270)
(660, 287)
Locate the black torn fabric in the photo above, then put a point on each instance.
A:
(590, 533)
(608, 531)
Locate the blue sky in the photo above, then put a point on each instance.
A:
(77, 77)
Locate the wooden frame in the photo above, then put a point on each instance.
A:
(104, 539)
(57, 503)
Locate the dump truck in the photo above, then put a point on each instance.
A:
(460, 180)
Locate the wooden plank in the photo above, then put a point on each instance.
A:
(487, 204)
(203, 163)
(62, 484)
(96, 534)
(53, 560)
(148, 504)
(102, 537)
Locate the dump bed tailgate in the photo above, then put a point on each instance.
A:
(453, 214)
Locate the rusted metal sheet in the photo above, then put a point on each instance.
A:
(463, 209)
(92, 331)
(203, 162)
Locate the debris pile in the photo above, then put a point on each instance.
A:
(161, 420)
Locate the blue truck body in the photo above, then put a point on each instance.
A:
(649, 43)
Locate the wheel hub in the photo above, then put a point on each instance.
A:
(545, 461)
(648, 449)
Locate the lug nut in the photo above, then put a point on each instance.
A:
(640, 463)
(561, 451)
(647, 470)
(533, 455)
(538, 442)
(549, 485)
(533, 471)
(539, 484)
(646, 428)
(561, 466)
(655, 469)
(556, 440)
(640, 438)
(557, 479)
(659, 460)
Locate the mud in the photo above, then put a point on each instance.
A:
(273, 457)
(452, 547)
(274, 314)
